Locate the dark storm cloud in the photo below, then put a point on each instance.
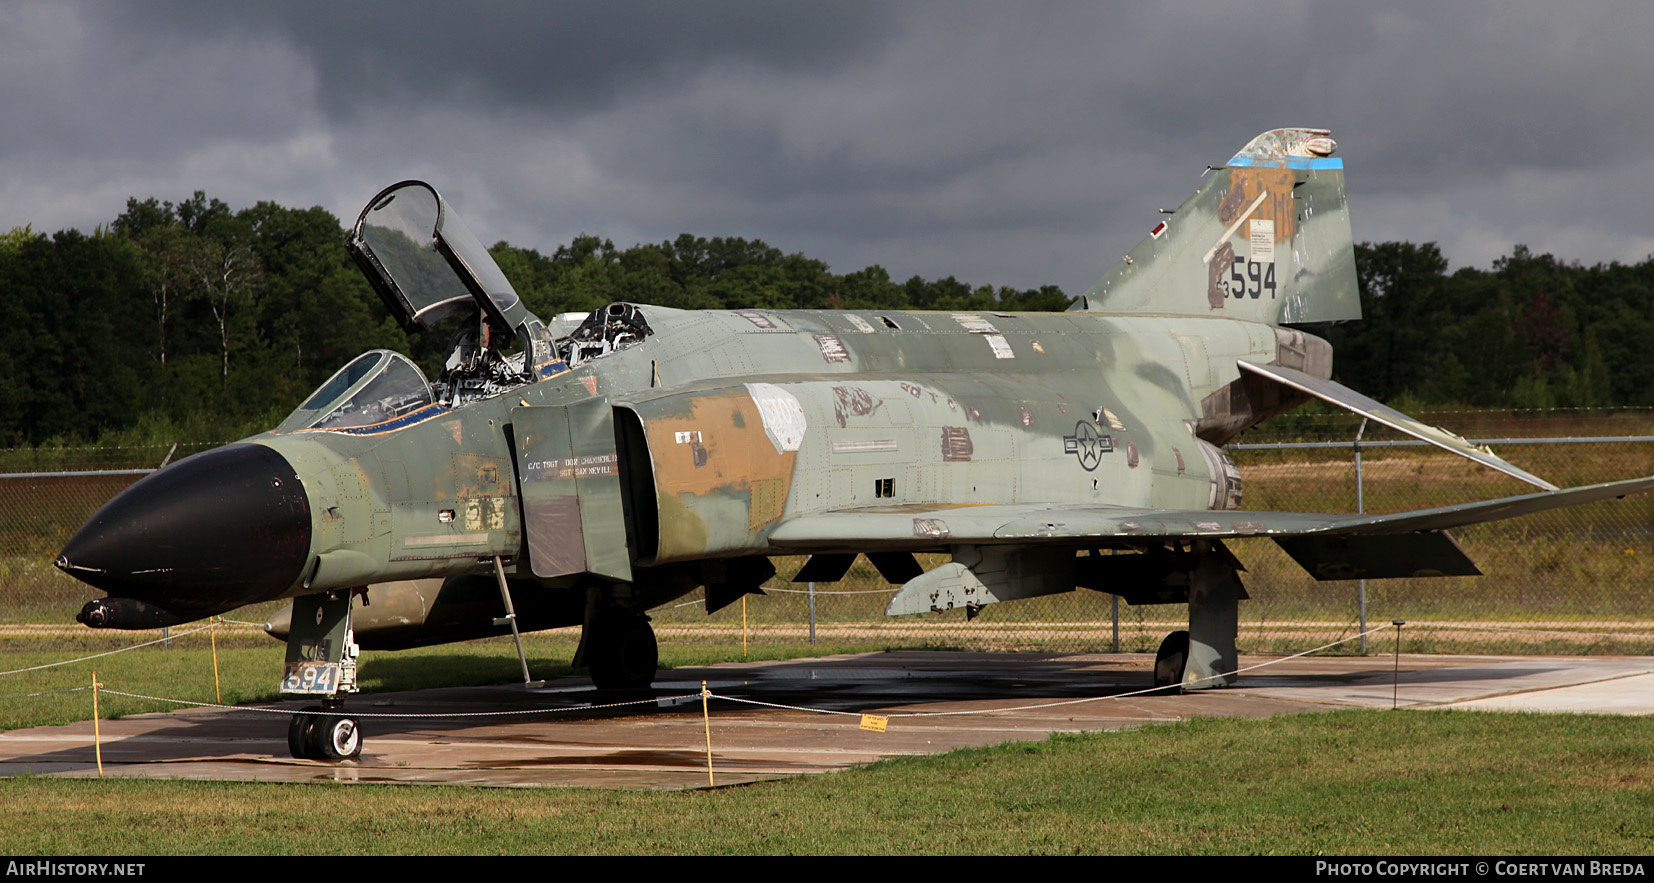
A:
(570, 56)
(76, 84)
(1015, 144)
(1470, 94)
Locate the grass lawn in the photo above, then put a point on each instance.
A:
(1346, 783)
(1360, 782)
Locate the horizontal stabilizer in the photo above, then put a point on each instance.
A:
(1356, 403)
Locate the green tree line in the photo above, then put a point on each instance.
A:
(1531, 332)
(195, 320)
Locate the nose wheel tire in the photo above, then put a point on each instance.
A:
(337, 737)
(300, 732)
(326, 737)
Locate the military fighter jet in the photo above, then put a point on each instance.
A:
(586, 472)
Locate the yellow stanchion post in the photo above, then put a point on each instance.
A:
(1395, 676)
(743, 628)
(97, 731)
(212, 632)
(706, 721)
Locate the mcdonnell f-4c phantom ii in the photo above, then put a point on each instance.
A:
(583, 472)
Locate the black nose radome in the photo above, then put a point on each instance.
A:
(208, 534)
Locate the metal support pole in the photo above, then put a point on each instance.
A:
(812, 614)
(1360, 509)
(1395, 677)
(1115, 603)
(511, 617)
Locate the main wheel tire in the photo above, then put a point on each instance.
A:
(300, 730)
(624, 655)
(336, 737)
(1170, 661)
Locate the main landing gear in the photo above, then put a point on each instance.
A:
(1204, 656)
(1170, 661)
(618, 645)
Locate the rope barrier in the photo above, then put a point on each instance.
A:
(1144, 692)
(818, 593)
(160, 640)
(674, 700)
(705, 694)
(45, 693)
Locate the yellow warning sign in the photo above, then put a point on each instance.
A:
(874, 722)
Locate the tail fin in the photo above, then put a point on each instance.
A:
(1266, 237)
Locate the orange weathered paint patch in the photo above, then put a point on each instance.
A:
(710, 450)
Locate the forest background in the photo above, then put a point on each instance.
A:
(193, 320)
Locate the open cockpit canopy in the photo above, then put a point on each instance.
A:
(426, 264)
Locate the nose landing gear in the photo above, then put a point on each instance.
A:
(321, 661)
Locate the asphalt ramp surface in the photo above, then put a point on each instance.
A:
(772, 720)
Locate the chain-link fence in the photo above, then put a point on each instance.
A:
(1572, 581)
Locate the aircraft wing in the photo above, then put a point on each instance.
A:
(1328, 546)
(1356, 403)
(906, 527)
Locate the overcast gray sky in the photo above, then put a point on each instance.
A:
(1005, 143)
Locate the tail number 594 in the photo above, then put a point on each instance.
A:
(1251, 278)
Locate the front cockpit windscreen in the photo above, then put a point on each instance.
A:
(375, 387)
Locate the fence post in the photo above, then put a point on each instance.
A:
(1360, 509)
(1114, 601)
(812, 614)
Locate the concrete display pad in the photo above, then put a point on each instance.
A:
(569, 734)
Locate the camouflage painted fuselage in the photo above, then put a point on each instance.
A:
(645, 461)
(734, 420)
